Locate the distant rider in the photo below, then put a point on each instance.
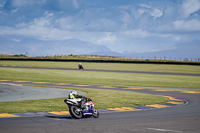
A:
(80, 66)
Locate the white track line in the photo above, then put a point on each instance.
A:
(165, 130)
(11, 84)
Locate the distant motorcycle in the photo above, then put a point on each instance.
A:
(80, 66)
(77, 112)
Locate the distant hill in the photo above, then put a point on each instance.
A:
(33, 47)
(36, 47)
(181, 51)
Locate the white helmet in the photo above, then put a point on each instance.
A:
(74, 92)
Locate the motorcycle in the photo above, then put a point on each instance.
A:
(77, 111)
(80, 66)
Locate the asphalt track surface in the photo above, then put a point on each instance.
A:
(177, 119)
(17, 92)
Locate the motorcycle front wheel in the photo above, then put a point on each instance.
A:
(96, 114)
(75, 112)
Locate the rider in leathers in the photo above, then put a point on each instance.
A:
(74, 95)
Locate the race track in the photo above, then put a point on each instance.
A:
(184, 118)
(176, 119)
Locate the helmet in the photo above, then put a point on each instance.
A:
(74, 92)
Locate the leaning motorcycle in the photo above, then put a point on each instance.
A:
(77, 111)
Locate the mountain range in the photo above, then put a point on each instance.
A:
(36, 47)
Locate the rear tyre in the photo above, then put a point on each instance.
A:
(75, 112)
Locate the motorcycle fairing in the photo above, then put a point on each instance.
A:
(73, 101)
(89, 112)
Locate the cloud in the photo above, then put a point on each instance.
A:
(190, 25)
(126, 18)
(189, 7)
(48, 27)
(2, 3)
(75, 4)
(65, 23)
(142, 34)
(141, 10)
(21, 3)
(144, 5)
(107, 39)
(138, 33)
(154, 12)
(16, 40)
(101, 24)
(40, 22)
(14, 11)
(41, 27)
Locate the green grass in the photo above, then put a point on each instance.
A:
(109, 66)
(102, 99)
(99, 78)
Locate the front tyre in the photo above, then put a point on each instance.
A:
(96, 114)
(75, 112)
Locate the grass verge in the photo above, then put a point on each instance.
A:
(109, 66)
(99, 78)
(102, 99)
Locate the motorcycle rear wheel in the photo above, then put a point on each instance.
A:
(75, 113)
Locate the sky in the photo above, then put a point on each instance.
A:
(124, 26)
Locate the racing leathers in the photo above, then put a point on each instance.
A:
(76, 96)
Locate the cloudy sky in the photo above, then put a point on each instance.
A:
(124, 26)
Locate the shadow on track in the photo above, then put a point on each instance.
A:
(63, 117)
(60, 117)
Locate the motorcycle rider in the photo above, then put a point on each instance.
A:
(80, 66)
(74, 95)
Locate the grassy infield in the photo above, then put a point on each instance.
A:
(102, 98)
